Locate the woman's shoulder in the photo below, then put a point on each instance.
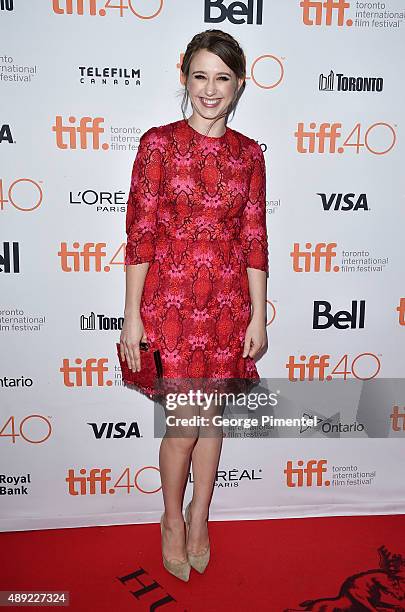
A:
(161, 131)
(246, 141)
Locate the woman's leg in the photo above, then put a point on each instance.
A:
(205, 459)
(174, 461)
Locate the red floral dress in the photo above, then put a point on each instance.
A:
(196, 211)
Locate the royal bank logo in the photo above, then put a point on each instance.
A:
(340, 82)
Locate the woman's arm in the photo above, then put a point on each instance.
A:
(254, 241)
(141, 222)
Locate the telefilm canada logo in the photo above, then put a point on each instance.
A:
(337, 81)
(109, 75)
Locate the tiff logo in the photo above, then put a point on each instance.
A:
(90, 252)
(89, 375)
(323, 13)
(315, 363)
(398, 418)
(401, 311)
(304, 476)
(313, 257)
(79, 7)
(88, 126)
(311, 141)
(96, 482)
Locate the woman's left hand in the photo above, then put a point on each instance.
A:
(255, 337)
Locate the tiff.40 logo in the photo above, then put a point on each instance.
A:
(378, 139)
(326, 13)
(100, 8)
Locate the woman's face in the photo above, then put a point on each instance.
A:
(211, 84)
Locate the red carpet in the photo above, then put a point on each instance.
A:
(269, 565)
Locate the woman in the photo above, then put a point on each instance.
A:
(196, 271)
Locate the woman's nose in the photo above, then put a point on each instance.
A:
(210, 89)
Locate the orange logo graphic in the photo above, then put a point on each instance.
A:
(308, 476)
(100, 7)
(325, 138)
(397, 417)
(87, 127)
(89, 375)
(312, 258)
(22, 429)
(401, 311)
(30, 198)
(272, 63)
(97, 479)
(323, 13)
(360, 367)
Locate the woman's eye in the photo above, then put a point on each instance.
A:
(201, 76)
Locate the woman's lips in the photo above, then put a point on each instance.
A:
(210, 103)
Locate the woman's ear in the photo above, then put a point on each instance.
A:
(183, 78)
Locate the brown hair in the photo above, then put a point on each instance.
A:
(230, 52)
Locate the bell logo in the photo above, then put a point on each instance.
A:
(88, 127)
(343, 319)
(236, 13)
(308, 476)
(325, 13)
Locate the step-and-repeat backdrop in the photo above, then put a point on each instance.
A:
(81, 80)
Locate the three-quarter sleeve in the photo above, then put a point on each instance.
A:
(142, 205)
(253, 231)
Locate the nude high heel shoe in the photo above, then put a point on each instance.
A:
(180, 569)
(200, 561)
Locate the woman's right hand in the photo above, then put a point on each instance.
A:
(132, 334)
